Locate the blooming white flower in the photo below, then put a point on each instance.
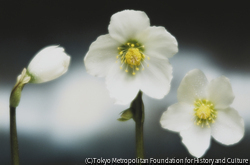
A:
(48, 64)
(132, 57)
(203, 110)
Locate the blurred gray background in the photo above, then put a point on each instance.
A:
(64, 121)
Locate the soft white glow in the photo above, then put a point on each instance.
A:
(58, 109)
(83, 109)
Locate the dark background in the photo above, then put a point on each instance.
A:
(215, 32)
(27, 26)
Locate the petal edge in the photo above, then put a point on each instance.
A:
(177, 117)
(228, 128)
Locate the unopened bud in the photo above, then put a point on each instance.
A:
(126, 115)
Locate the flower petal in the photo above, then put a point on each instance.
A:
(121, 85)
(101, 55)
(158, 42)
(177, 117)
(192, 87)
(48, 64)
(220, 92)
(155, 79)
(126, 24)
(228, 127)
(196, 139)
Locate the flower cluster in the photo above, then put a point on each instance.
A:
(134, 56)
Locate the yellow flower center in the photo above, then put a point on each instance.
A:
(132, 56)
(204, 112)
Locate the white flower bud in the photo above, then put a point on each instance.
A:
(48, 64)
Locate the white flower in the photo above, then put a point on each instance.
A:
(48, 64)
(203, 111)
(132, 57)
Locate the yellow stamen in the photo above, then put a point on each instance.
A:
(133, 57)
(204, 112)
(131, 54)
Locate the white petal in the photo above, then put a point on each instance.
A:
(48, 64)
(126, 24)
(196, 139)
(101, 55)
(178, 117)
(228, 127)
(192, 87)
(155, 79)
(220, 92)
(158, 42)
(121, 85)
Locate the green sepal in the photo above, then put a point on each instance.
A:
(122, 119)
(136, 110)
(15, 95)
(126, 115)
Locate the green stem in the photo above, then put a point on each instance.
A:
(139, 140)
(13, 137)
(138, 108)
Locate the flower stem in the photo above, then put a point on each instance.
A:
(139, 140)
(13, 137)
(138, 109)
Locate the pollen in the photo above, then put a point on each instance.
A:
(132, 56)
(204, 113)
